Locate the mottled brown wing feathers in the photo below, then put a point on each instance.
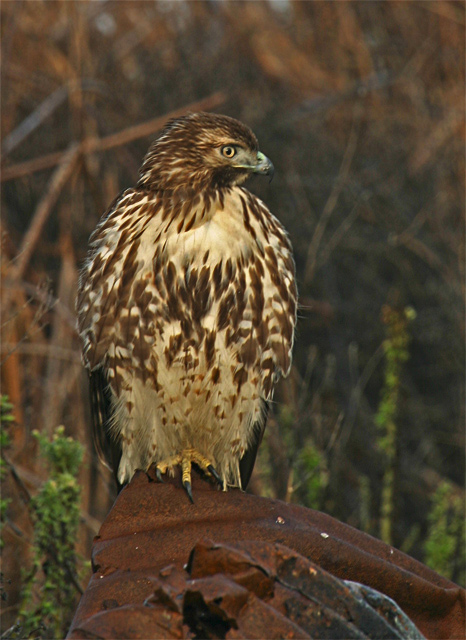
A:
(108, 450)
(246, 464)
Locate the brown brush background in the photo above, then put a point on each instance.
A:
(360, 105)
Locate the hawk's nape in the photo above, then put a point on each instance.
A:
(187, 308)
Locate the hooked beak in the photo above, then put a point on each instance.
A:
(264, 166)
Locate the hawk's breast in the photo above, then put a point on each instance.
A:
(201, 326)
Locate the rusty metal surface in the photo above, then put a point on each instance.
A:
(245, 585)
(387, 608)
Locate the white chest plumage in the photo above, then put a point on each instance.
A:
(191, 311)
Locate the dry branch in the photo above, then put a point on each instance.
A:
(333, 198)
(112, 140)
(27, 126)
(56, 184)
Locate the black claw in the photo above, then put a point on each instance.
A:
(187, 486)
(213, 472)
(158, 473)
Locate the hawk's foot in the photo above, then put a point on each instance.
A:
(185, 459)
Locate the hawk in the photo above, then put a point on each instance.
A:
(187, 308)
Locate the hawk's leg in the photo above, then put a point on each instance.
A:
(185, 459)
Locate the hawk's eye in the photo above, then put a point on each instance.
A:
(228, 151)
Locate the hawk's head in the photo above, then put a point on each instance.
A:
(203, 150)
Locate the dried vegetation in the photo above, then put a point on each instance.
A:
(361, 107)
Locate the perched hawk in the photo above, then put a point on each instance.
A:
(187, 308)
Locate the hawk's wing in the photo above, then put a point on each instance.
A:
(246, 464)
(98, 336)
(108, 449)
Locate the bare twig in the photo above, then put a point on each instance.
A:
(17, 473)
(113, 140)
(335, 432)
(73, 577)
(340, 233)
(34, 327)
(430, 257)
(41, 351)
(358, 390)
(31, 166)
(44, 297)
(56, 184)
(45, 110)
(147, 128)
(132, 39)
(413, 228)
(27, 126)
(333, 198)
(57, 372)
(19, 533)
(10, 25)
(445, 130)
(305, 380)
(445, 10)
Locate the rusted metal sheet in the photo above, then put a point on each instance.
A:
(234, 566)
(311, 597)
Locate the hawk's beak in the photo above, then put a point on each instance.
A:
(264, 166)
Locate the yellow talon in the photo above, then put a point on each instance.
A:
(185, 469)
(185, 459)
(168, 463)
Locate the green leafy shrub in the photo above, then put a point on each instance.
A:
(445, 543)
(313, 469)
(396, 347)
(51, 585)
